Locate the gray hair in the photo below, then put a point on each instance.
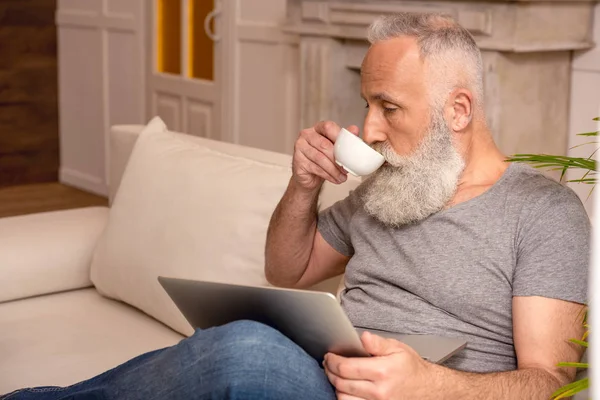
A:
(440, 38)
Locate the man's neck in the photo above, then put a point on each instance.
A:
(484, 165)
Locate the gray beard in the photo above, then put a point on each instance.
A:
(408, 189)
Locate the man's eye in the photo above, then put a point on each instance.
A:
(366, 105)
(388, 107)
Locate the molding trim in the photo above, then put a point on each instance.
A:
(84, 19)
(355, 33)
(203, 91)
(82, 180)
(484, 19)
(268, 34)
(478, 22)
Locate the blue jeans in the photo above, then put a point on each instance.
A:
(241, 360)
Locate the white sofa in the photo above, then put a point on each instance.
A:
(56, 328)
(174, 211)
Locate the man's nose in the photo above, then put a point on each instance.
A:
(372, 132)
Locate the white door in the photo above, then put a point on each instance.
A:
(187, 71)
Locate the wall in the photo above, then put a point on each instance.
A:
(266, 111)
(585, 105)
(28, 92)
(101, 79)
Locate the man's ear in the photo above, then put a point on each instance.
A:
(460, 109)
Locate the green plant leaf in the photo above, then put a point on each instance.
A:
(585, 335)
(590, 193)
(582, 180)
(597, 119)
(573, 364)
(588, 133)
(550, 161)
(582, 144)
(579, 342)
(570, 389)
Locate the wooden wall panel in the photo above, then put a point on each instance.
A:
(29, 150)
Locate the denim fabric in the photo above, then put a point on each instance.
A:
(241, 360)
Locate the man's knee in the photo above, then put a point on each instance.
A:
(241, 340)
(248, 357)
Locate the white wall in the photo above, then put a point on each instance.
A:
(266, 111)
(585, 105)
(101, 82)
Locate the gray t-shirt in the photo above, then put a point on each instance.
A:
(455, 272)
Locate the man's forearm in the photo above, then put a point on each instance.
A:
(525, 384)
(290, 235)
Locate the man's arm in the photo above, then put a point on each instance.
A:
(542, 328)
(296, 254)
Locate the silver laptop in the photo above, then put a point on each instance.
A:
(313, 320)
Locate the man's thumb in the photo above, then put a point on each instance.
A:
(376, 345)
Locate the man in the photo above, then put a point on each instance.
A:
(445, 238)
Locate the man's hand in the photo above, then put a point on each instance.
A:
(395, 371)
(313, 160)
(542, 328)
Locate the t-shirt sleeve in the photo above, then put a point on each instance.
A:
(553, 249)
(334, 223)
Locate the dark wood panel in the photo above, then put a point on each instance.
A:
(29, 199)
(29, 146)
(27, 12)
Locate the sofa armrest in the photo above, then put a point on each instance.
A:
(48, 252)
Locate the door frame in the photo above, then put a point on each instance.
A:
(218, 94)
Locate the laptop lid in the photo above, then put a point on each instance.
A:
(313, 320)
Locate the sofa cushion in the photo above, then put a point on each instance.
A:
(184, 210)
(64, 338)
(48, 252)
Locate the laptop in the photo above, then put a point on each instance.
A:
(315, 321)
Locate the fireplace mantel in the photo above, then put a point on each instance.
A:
(526, 47)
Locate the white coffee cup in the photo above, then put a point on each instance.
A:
(354, 155)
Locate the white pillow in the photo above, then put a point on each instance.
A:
(184, 210)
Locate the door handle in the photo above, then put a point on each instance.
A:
(209, 17)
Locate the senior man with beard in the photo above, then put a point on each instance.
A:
(445, 238)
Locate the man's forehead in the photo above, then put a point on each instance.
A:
(391, 63)
(396, 54)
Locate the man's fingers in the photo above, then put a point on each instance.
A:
(353, 129)
(322, 163)
(329, 129)
(325, 146)
(313, 168)
(380, 346)
(349, 388)
(355, 368)
(344, 396)
(320, 143)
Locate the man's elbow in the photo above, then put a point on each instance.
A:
(275, 278)
(557, 377)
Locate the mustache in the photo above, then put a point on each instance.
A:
(392, 158)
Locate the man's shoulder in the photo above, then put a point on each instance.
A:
(533, 187)
(538, 194)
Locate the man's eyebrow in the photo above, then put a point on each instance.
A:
(381, 96)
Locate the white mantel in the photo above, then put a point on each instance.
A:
(526, 46)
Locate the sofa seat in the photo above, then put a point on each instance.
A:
(63, 338)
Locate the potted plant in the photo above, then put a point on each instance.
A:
(588, 167)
